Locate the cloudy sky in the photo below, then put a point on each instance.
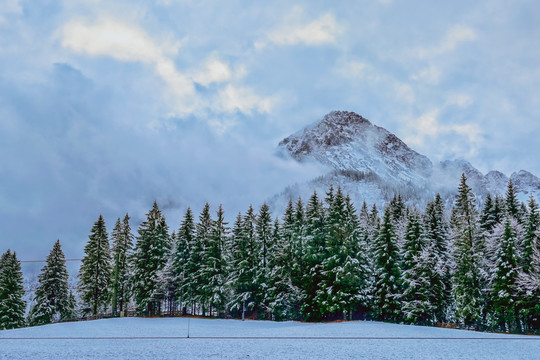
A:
(108, 105)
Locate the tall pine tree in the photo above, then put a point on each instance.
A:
(467, 286)
(53, 300)
(387, 274)
(95, 271)
(122, 246)
(12, 305)
(151, 250)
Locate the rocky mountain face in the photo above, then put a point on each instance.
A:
(372, 164)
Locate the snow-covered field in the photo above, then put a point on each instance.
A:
(138, 338)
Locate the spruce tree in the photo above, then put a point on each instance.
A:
(511, 201)
(314, 255)
(504, 280)
(122, 246)
(467, 286)
(12, 305)
(199, 258)
(183, 268)
(263, 230)
(150, 256)
(422, 275)
(214, 267)
(243, 264)
(95, 271)
(531, 238)
(387, 274)
(436, 232)
(52, 297)
(283, 297)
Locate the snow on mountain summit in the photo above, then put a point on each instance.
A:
(346, 141)
(372, 164)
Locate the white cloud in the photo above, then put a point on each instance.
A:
(456, 35)
(430, 75)
(108, 37)
(242, 99)
(428, 127)
(214, 71)
(9, 8)
(125, 42)
(321, 31)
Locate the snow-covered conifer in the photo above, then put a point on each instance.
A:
(150, 256)
(12, 305)
(122, 245)
(52, 296)
(95, 272)
(387, 274)
(467, 286)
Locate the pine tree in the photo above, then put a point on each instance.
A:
(150, 256)
(12, 305)
(314, 255)
(531, 238)
(183, 268)
(214, 267)
(243, 264)
(52, 297)
(436, 230)
(467, 287)
(283, 297)
(263, 230)
(299, 268)
(511, 201)
(122, 245)
(529, 289)
(504, 280)
(388, 279)
(95, 271)
(199, 258)
(422, 276)
(487, 221)
(355, 271)
(167, 280)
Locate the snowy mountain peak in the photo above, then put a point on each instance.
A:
(524, 181)
(346, 141)
(372, 164)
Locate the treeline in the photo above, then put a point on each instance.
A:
(477, 267)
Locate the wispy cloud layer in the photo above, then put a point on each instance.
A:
(108, 105)
(323, 30)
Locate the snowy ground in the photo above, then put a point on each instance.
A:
(137, 338)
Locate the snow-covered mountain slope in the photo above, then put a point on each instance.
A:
(372, 164)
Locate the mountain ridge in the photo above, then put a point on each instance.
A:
(373, 164)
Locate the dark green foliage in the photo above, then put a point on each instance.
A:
(512, 204)
(183, 268)
(244, 264)
(531, 238)
(122, 245)
(264, 234)
(53, 301)
(504, 280)
(387, 274)
(95, 271)
(467, 287)
(12, 305)
(213, 269)
(151, 252)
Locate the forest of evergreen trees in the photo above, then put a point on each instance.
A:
(473, 266)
